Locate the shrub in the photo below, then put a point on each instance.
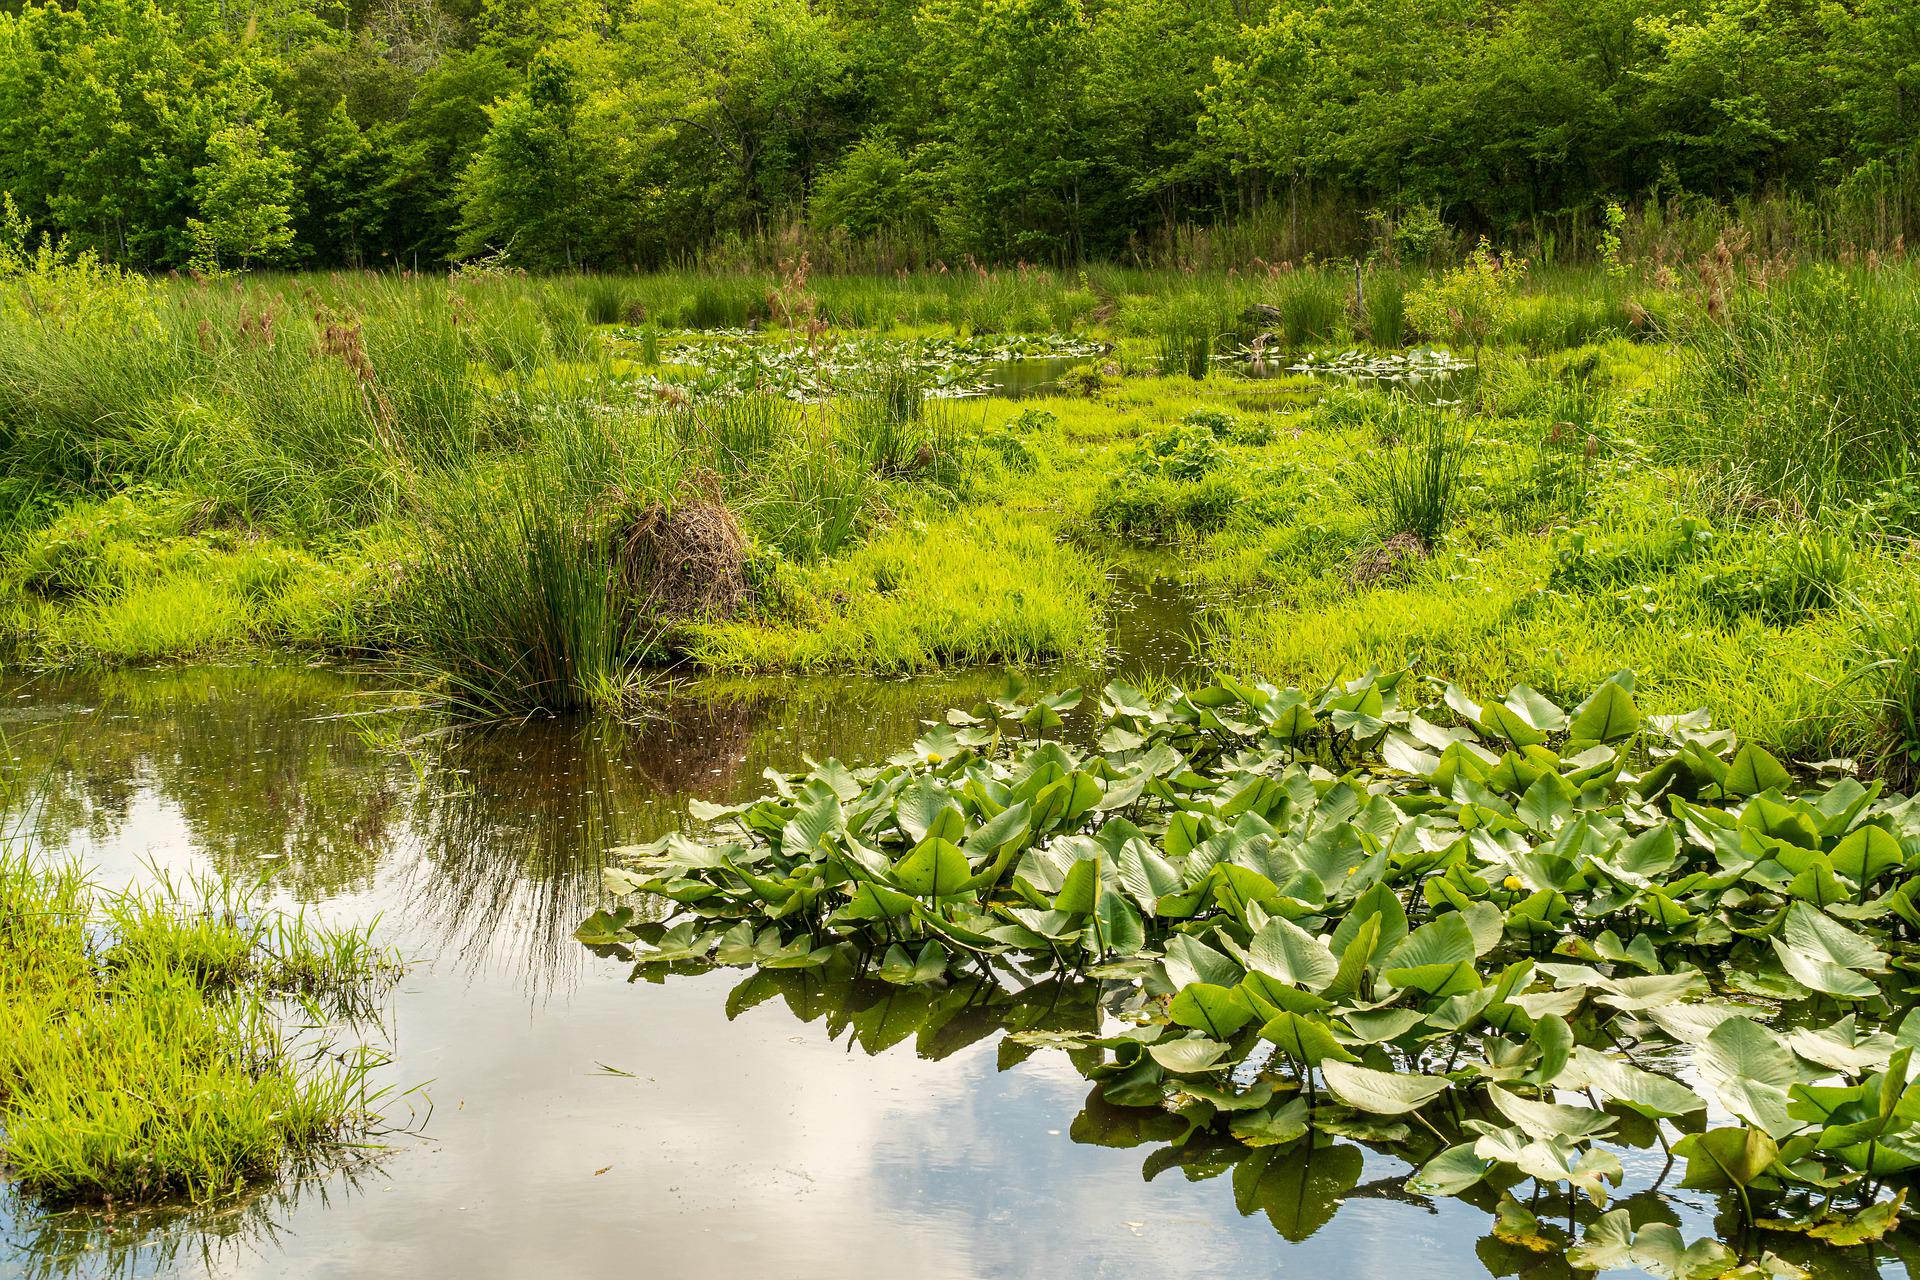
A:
(1157, 507)
(1188, 451)
(1470, 303)
(1170, 480)
(1083, 380)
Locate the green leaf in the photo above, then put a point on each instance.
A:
(1607, 716)
(1630, 1086)
(1871, 1223)
(1385, 1093)
(1447, 939)
(903, 970)
(1607, 1244)
(1750, 1070)
(1722, 1158)
(1274, 1126)
(1660, 1249)
(1183, 1057)
(1549, 1119)
(606, 928)
(1450, 1173)
(1814, 932)
(1218, 1011)
(1866, 854)
(1548, 803)
(1304, 1039)
(1820, 974)
(1753, 770)
(1282, 949)
(1190, 960)
(935, 869)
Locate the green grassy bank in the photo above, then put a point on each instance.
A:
(532, 492)
(171, 1044)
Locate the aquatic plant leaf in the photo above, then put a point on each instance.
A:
(1272, 1126)
(1842, 1047)
(810, 826)
(1753, 771)
(1608, 715)
(1283, 950)
(1871, 1223)
(1190, 960)
(1304, 1039)
(1549, 1119)
(1186, 1056)
(1866, 854)
(1388, 1093)
(1547, 804)
(1515, 1224)
(1817, 934)
(1377, 1026)
(1606, 1245)
(1750, 1070)
(606, 928)
(1650, 991)
(1629, 1086)
(1820, 974)
(935, 869)
(682, 942)
(1666, 1255)
(1442, 941)
(897, 967)
(1218, 1011)
(620, 882)
(1451, 1172)
(1726, 1157)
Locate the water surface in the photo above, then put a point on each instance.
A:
(718, 1124)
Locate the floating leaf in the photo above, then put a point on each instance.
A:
(1387, 1093)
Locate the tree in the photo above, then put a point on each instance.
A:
(525, 190)
(245, 194)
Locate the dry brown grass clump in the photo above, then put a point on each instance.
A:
(684, 562)
(1387, 560)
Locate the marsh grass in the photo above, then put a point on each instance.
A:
(1807, 394)
(175, 1042)
(517, 601)
(1384, 308)
(1412, 478)
(1186, 346)
(1313, 308)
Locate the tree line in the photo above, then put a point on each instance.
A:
(556, 134)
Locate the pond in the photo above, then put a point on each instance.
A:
(1422, 376)
(777, 1125)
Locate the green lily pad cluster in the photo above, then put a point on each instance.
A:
(740, 363)
(1509, 940)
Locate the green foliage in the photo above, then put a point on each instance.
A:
(1411, 479)
(1467, 305)
(1290, 950)
(143, 1051)
(893, 137)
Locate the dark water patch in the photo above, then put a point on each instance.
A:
(1035, 376)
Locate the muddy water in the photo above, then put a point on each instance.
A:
(585, 1122)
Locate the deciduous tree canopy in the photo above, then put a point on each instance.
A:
(634, 132)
